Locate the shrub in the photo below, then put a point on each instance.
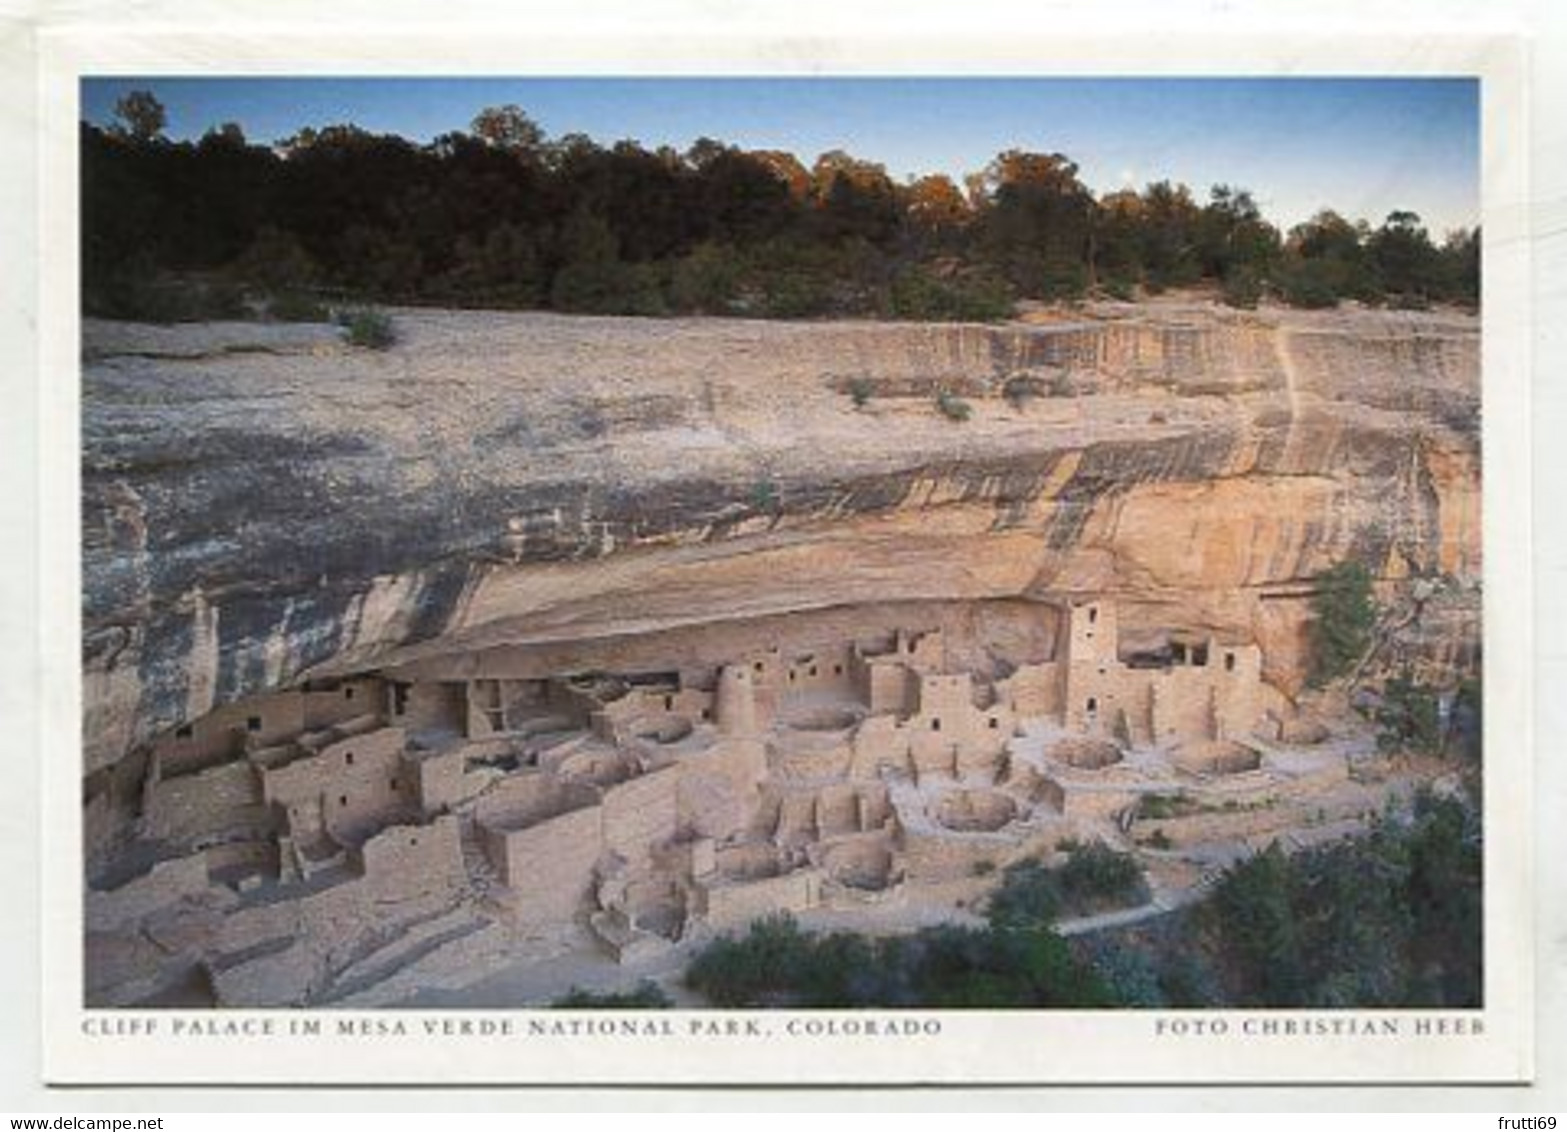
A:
(775, 964)
(953, 407)
(1131, 975)
(707, 280)
(1408, 718)
(1122, 290)
(1094, 877)
(1029, 897)
(368, 328)
(1157, 806)
(295, 306)
(796, 293)
(1020, 389)
(1060, 280)
(1343, 617)
(1466, 725)
(764, 495)
(1391, 919)
(754, 969)
(860, 390)
(918, 294)
(275, 261)
(1309, 284)
(646, 996)
(1242, 289)
(1097, 876)
(138, 298)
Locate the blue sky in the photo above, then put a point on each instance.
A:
(1361, 146)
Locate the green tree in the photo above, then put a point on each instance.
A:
(1036, 225)
(1408, 717)
(1233, 238)
(1343, 617)
(507, 128)
(592, 278)
(1261, 935)
(1443, 892)
(1169, 225)
(140, 116)
(1406, 262)
(1325, 259)
(276, 262)
(707, 280)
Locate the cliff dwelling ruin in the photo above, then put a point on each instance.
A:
(541, 650)
(357, 840)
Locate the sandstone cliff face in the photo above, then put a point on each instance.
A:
(261, 504)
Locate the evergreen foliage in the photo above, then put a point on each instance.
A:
(647, 995)
(1408, 718)
(1343, 617)
(1390, 919)
(369, 328)
(502, 215)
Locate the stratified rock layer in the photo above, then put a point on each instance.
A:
(264, 503)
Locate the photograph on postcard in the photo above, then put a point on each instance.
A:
(836, 549)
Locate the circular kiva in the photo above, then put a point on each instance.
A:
(1086, 754)
(975, 811)
(1217, 757)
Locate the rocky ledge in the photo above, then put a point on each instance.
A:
(262, 504)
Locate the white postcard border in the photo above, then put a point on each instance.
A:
(972, 1047)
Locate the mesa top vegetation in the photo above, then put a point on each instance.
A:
(503, 216)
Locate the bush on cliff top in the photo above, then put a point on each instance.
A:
(369, 328)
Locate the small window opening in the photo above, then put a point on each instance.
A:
(1093, 614)
(348, 758)
(184, 732)
(399, 699)
(994, 723)
(342, 799)
(813, 670)
(935, 725)
(669, 703)
(253, 723)
(791, 675)
(394, 784)
(348, 693)
(837, 670)
(707, 713)
(1093, 704)
(757, 666)
(1229, 662)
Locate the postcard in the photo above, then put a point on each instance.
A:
(965, 567)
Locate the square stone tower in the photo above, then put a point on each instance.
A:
(1090, 671)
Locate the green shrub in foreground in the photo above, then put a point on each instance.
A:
(647, 995)
(775, 964)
